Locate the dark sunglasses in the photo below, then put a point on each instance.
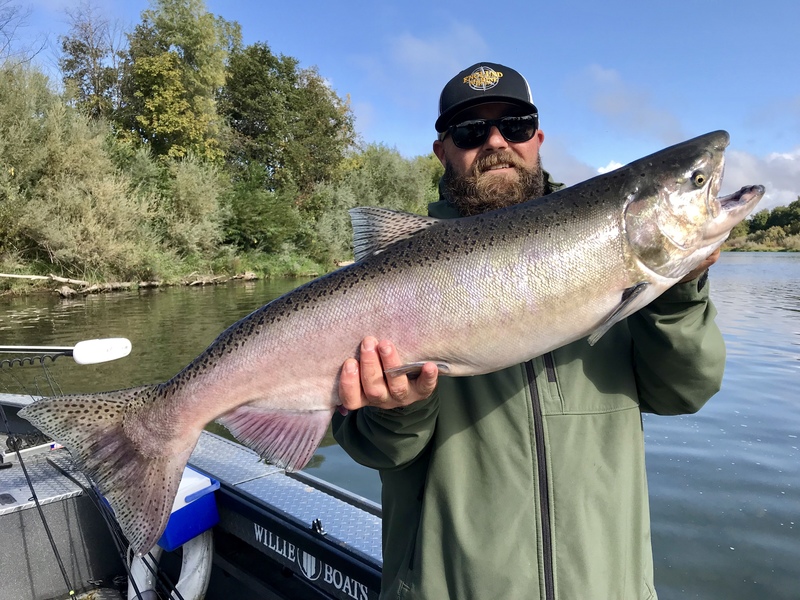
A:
(471, 134)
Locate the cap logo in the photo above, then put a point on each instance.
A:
(483, 78)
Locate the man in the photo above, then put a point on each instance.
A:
(528, 482)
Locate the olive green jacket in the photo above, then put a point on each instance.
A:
(530, 482)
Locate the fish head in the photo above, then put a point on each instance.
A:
(673, 218)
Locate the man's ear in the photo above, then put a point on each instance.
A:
(438, 150)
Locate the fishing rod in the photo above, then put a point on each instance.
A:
(86, 352)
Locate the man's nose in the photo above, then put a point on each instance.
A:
(495, 139)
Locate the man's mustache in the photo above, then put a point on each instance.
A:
(485, 163)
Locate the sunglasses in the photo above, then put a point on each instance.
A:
(471, 134)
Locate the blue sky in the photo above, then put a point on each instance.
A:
(613, 80)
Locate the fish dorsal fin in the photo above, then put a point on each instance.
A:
(376, 228)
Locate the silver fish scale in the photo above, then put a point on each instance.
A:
(508, 270)
(242, 468)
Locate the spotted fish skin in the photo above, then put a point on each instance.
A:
(473, 295)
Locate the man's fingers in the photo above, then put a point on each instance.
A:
(350, 386)
(363, 382)
(397, 384)
(372, 379)
(426, 382)
(404, 390)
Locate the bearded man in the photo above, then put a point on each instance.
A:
(528, 482)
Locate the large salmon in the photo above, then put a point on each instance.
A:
(473, 295)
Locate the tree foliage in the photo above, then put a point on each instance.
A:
(64, 204)
(89, 61)
(174, 68)
(768, 229)
(375, 176)
(285, 120)
(261, 218)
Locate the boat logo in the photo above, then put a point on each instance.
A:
(309, 565)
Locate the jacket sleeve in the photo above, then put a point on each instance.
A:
(678, 350)
(387, 439)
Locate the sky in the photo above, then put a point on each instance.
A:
(613, 80)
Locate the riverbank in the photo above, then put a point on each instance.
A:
(69, 288)
(20, 284)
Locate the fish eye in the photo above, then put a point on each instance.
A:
(699, 178)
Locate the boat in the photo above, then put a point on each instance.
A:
(252, 530)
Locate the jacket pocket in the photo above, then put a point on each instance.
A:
(596, 379)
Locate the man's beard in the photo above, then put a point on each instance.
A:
(476, 192)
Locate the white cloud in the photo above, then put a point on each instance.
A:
(438, 57)
(778, 172)
(626, 106)
(562, 165)
(611, 166)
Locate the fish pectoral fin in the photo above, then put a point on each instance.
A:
(627, 306)
(414, 369)
(285, 438)
(376, 228)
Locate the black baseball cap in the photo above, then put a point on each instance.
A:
(482, 82)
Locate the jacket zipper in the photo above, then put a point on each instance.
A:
(544, 488)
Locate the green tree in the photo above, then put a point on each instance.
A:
(174, 68)
(740, 230)
(780, 216)
(284, 119)
(786, 217)
(260, 218)
(89, 61)
(64, 206)
(432, 167)
(758, 222)
(773, 237)
(375, 176)
(191, 214)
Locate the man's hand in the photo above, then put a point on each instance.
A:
(365, 384)
(701, 268)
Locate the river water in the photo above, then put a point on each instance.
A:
(724, 483)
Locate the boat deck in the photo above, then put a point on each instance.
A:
(322, 541)
(352, 520)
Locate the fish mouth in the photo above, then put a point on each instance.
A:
(744, 197)
(733, 208)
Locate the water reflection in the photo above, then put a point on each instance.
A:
(725, 483)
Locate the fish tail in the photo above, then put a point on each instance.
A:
(140, 488)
